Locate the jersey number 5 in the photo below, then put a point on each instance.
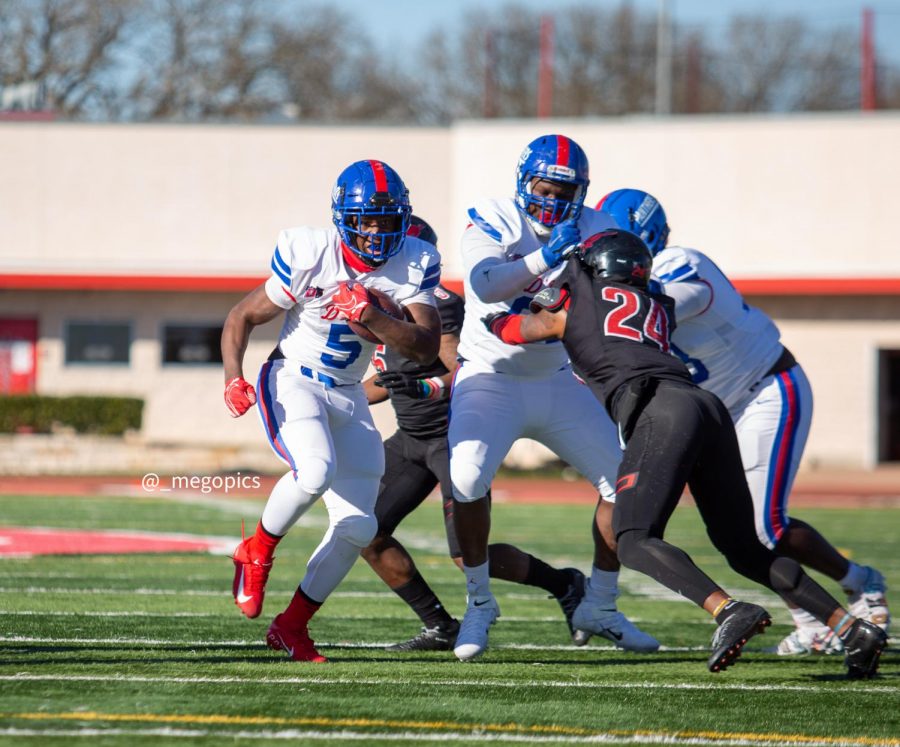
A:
(656, 323)
(349, 350)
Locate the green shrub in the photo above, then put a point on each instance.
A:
(110, 416)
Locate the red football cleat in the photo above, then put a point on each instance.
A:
(295, 643)
(250, 576)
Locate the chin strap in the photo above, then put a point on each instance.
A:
(355, 261)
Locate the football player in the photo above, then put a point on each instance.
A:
(734, 350)
(510, 249)
(309, 396)
(617, 333)
(417, 460)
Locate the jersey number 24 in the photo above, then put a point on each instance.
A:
(616, 324)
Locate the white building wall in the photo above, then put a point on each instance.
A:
(805, 196)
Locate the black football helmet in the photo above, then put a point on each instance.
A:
(421, 230)
(616, 255)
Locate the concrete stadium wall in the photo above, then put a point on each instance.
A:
(767, 197)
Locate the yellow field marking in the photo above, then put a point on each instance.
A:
(509, 728)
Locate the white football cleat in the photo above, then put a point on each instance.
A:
(810, 640)
(589, 619)
(472, 639)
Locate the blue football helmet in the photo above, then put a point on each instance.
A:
(553, 158)
(640, 213)
(370, 188)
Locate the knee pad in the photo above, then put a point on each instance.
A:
(314, 475)
(630, 547)
(785, 574)
(469, 483)
(358, 529)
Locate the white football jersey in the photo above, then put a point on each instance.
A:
(729, 345)
(307, 266)
(499, 231)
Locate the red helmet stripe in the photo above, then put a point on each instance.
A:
(602, 200)
(378, 172)
(562, 150)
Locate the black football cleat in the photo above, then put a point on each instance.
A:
(441, 637)
(863, 645)
(740, 621)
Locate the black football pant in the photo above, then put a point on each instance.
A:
(412, 468)
(684, 435)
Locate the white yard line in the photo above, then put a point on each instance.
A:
(839, 686)
(344, 735)
(255, 643)
(163, 615)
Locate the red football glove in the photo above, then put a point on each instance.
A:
(351, 300)
(239, 396)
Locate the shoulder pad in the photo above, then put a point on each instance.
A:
(500, 220)
(674, 263)
(549, 299)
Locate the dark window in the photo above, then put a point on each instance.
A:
(192, 344)
(889, 405)
(98, 342)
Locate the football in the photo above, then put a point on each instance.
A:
(386, 304)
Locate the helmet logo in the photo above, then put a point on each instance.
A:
(645, 210)
(526, 154)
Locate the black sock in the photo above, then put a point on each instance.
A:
(546, 577)
(423, 601)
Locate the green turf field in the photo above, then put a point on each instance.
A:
(150, 649)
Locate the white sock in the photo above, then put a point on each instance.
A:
(855, 578)
(330, 562)
(478, 580)
(603, 588)
(803, 619)
(287, 503)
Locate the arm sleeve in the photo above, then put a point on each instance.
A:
(491, 277)
(692, 297)
(287, 282)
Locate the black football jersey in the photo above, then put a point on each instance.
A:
(616, 333)
(425, 418)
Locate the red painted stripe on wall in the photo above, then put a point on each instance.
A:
(230, 283)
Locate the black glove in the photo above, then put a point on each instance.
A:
(400, 383)
(494, 322)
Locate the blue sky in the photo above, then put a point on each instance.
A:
(412, 19)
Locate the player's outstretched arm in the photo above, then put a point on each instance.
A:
(516, 329)
(254, 309)
(418, 339)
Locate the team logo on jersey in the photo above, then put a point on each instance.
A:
(313, 292)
